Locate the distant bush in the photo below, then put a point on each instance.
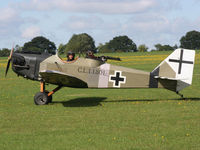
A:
(40, 44)
(191, 40)
(160, 47)
(118, 44)
(79, 43)
(142, 48)
(4, 52)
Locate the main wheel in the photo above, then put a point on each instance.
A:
(49, 97)
(41, 98)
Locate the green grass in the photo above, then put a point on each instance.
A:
(100, 119)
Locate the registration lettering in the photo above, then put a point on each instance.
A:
(93, 71)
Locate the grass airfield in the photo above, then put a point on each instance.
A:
(101, 119)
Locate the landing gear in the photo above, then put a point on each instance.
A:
(41, 98)
(49, 97)
(181, 95)
(44, 97)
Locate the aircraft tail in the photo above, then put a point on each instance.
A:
(176, 71)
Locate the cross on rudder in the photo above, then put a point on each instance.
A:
(180, 61)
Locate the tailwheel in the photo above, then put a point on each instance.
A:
(41, 98)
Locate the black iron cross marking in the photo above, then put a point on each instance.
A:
(117, 79)
(181, 61)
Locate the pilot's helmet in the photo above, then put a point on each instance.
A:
(89, 53)
(70, 53)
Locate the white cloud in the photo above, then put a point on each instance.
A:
(151, 28)
(168, 5)
(145, 21)
(156, 28)
(9, 22)
(88, 6)
(31, 32)
(83, 23)
(7, 14)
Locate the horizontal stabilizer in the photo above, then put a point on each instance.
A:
(158, 77)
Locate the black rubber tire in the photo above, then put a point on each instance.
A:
(41, 98)
(49, 97)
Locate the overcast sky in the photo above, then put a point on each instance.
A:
(144, 21)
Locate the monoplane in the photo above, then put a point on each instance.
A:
(174, 73)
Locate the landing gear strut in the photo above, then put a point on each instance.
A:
(181, 95)
(44, 97)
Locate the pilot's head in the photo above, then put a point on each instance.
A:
(70, 56)
(90, 53)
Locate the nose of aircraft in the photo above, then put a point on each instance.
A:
(26, 64)
(18, 62)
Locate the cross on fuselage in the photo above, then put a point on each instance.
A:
(181, 61)
(117, 79)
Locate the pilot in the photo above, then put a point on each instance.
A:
(70, 56)
(90, 54)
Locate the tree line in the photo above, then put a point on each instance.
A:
(80, 43)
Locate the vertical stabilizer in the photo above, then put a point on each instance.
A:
(178, 66)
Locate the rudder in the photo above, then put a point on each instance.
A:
(177, 68)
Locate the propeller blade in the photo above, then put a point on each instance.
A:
(7, 67)
(11, 52)
(9, 60)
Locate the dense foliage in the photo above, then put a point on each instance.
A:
(40, 44)
(4, 52)
(104, 48)
(61, 49)
(79, 43)
(142, 48)
(191, 40)
(119, 44)
(160, 47)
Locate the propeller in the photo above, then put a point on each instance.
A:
(9, 60)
